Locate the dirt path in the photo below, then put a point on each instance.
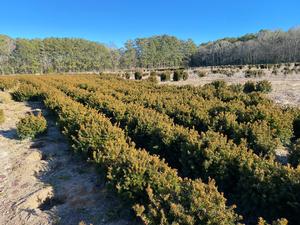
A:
(42, 182)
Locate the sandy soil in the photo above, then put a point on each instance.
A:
(42, 182)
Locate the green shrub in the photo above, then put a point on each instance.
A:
(264, 86)
(152, 79)
(1, 116)
(185, 75)
(229, 73)
(165, 76)
(138, 75)
(281, 221)
(294, 157)
(153, 74)
(275, 71)
(262, 66)
(177, 75)
(30, 126)
(237, 88)
(201, 74)
(180, 75)
(217, 84)
(253, 73)
(25, 92)
(127, 75)
(83, 86)
(249, 87)
(287, 70)
(261, 139)
(7, 83)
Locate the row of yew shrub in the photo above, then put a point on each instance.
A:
(264, 125)
(258, 186)
(155, 191)
(266, 181)
(7, 82)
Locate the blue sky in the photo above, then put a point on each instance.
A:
(115, 21)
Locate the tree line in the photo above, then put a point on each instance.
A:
(54, 55)
(260, 48)
(58, 55)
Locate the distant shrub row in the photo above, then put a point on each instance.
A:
(261, 86)
(180, 75)
(164, 76)
(254, 73)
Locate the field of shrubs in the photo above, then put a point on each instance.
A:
(182, 74)
(179, 155)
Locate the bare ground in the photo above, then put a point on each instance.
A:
(42, 182)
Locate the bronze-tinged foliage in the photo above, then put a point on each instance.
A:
(178, 75)
(264, 86)
(245, 178)
(7, 82)
(216, 131)
(155, 191)
(138, 75)
(261, 221)
(25, 92)
(2, 117)
(30, 126)
(165, 76)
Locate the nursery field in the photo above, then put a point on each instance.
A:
(178, 154)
